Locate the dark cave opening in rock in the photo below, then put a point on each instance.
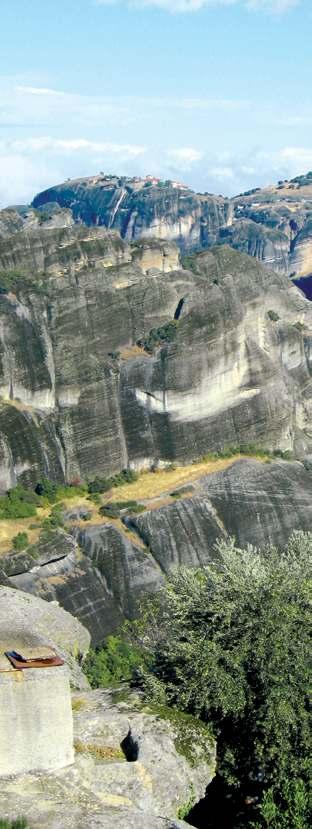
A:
(305, 285)
(178, 309)
(222, 808)
(130, 747)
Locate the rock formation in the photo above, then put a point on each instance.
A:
(99, 572)
(140, 208)
(273, 224)
(134, 766)
(228, 360)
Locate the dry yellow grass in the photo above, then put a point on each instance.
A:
(128, 352)
(10, 528)
(151, 484)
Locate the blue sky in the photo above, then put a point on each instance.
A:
(216, 93)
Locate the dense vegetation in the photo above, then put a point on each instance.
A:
(230, 644)
(113, 663)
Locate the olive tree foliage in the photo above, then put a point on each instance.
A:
(230, 644)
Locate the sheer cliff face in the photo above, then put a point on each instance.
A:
(138, 208)
(79, 397)
(273, 224)
(102, 573)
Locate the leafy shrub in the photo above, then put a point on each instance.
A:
(20, 541)
(55, 519)
(230, 644)
(18, 503)
(112, 663)
(113, 508)
(126, 476)
(158, 336)
(273, 316)
(46, 489)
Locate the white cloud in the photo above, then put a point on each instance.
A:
(186, 6)
(38, 90)
(184, 156)
(73, 145)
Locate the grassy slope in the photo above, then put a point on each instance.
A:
(149, 486)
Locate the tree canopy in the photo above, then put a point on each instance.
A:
(230, 644)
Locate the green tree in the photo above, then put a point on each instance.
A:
(112, 663)
(20, 541)
(230, 644)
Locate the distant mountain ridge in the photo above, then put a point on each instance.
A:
(273, 224)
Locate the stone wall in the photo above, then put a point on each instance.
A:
(36, 731)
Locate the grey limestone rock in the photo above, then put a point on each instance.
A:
(255, 502)
(102, 789)
(45, 623)
(80, 398)
(139, 209)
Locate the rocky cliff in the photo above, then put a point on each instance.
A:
(114, 355)
(133, 765)
(273, 224)
(140, 208)
(99, 572)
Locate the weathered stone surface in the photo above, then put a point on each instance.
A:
(36, 731)
(99, 581)
(256, 503)
(273, 224)
(163, 211)
(80, 398)
(14, 219)
(36, 621)
(98, 792)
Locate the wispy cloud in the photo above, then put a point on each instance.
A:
(74, 145)
(189, 6)
(184, 157)
(38, 90)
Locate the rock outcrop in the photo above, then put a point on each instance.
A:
(134, 766)
(255, 502)
(140, 208)
(101, 573)
(175, 761)
(29, 616)
(80, 397)
(99, 581)
(273, 224)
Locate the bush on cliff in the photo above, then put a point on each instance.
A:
(20, 542)
(159, 336)
(114, 508)
(126, 476)
(111, 664)
(18, 503)
(230, 644)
